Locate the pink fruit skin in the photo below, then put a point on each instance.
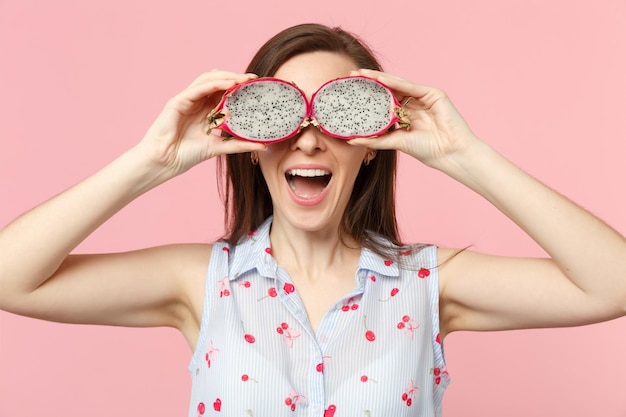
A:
(394, 118)
(309, 117)
(224, 124)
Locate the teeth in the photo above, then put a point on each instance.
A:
(308, 172)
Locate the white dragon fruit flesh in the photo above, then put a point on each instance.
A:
(270, 110)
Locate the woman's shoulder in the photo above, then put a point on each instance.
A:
(177, 253)
(186, 262)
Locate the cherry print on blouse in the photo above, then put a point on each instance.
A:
(408, 326)
(320, 366)
(405, 253)
(201, 408)
(365, 378)
(217, 405)
(409, 393)
(247, 336)
(388, 262)
(373, 278)
(294, 399)
(271, 292)
(394, 291)
(330, 411)
(423, 273)
(226, 249)
(251, 234)
(268, 251)
(370, 336)
(438, 373)
(288, 288)
(288, 333)
(245, 284)
(349, 305)
(211, 354)
(224, 286)
(246, 378)
(438, 339)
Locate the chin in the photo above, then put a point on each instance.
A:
(312, 222)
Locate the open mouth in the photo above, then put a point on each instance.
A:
(308, 183)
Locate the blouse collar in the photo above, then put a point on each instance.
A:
(254, 252)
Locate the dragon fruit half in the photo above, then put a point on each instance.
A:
(271, 110)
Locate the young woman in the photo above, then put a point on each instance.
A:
(311, 304)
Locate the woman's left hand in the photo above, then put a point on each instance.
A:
(484, 292)
(437, 131)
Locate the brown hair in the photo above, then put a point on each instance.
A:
(371, 208)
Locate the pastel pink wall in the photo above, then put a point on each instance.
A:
(541, 81)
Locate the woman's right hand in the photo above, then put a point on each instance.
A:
(177, 140)
(40, 277)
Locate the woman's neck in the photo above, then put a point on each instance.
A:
(312, 254)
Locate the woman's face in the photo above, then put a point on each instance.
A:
(310, 177)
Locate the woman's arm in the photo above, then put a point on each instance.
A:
(39, 277)
(584, 280)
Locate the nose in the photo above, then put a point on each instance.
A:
(309, 140)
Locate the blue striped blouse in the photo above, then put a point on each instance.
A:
(377, 351)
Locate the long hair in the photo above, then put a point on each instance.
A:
(371, 208)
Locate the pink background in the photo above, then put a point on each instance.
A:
(543, 82)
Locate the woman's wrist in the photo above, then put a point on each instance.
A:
(456, 162)
(140, 170)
